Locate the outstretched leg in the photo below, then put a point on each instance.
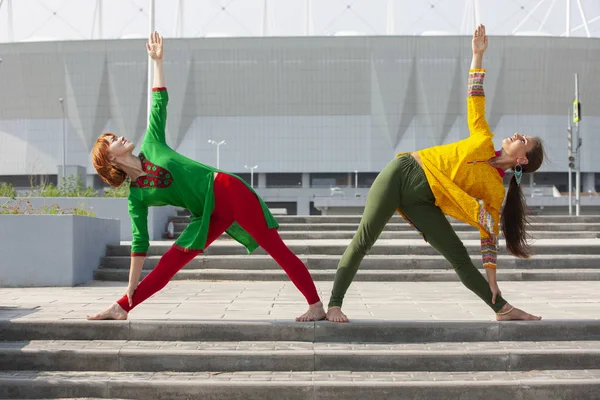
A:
(430, 220)
(382, 201)
(170, 263)
(245, 207)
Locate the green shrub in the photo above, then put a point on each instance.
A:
(71, 187)
(24, 207)
(121, 191)
(7, 190)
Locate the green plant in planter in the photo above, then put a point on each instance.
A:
(7, 190)
(71, 187)
(24, 207)
(121, 191)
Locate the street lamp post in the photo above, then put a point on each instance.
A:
(218, 144)
(151, 19)
(355, 180)
(64, 143)
(251, 174)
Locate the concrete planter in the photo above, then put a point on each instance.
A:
(113, 208)
(52, 250)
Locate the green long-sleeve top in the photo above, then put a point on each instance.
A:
(173, 179)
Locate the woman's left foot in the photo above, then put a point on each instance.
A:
(509, 313)
(315, 312)
(112, 312)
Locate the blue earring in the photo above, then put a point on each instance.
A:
(518, 173)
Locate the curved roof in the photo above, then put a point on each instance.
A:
(29, 20)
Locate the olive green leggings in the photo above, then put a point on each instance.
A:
(402, 185)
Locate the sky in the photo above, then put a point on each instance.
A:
(36, 20)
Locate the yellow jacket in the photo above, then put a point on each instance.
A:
(465, 186)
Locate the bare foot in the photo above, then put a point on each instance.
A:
(113, 312)
(336, 315)
(315, 313)
(515, 315)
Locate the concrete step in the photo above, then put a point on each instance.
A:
(464, 235)
(382, 247)
(371, 262)
(355, 219)
(457, 226)
(402, 226)
(330, 385)
(358, 331)
(122, 275)
(191, 356)
(396, 217)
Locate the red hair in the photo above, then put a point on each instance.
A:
(103, 166)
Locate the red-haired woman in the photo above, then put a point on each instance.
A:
(218, 201)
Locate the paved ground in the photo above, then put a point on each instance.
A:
(197, 300)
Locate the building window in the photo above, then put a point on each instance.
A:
(365, 179)
(26, 182)
(283, 180)
(328, 180)
(246, 177)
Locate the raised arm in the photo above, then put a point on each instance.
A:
(158, 112)
(476, 95)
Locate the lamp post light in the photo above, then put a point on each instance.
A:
(218, 144)
(151, 20)
(64, 143)
(251, 174)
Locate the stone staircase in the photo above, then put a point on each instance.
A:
(228, 359)
(285, 360)
(566, 248)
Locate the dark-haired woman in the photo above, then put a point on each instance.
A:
(463, 180)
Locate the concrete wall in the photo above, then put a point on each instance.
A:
(310, 104)
(304, 196)
(114, 208)
(52, 250)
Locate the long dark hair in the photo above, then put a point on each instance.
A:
(514, 216)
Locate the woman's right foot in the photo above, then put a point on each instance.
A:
(113, 312)
(315, 313)
(515, 314)
(336, 315)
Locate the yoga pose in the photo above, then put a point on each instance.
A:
(218, 201)
(462, 180)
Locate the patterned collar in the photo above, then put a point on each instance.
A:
(156, 176)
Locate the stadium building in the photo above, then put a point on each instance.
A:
(319, 97)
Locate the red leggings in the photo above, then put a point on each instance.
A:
(233, 202)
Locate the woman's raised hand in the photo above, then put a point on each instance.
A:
(155, 46)
(480, 40)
